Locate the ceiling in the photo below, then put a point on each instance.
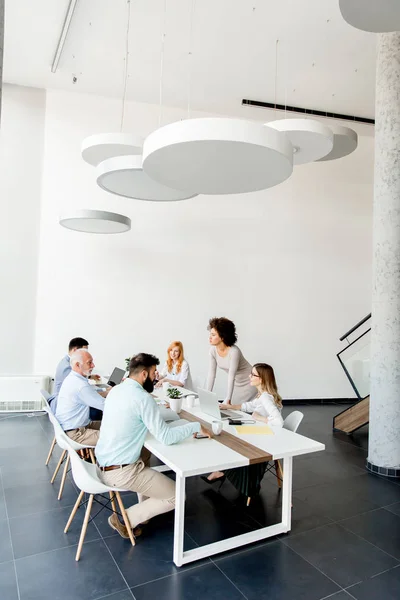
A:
(319, 61)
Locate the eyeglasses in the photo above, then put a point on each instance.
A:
(253, 374)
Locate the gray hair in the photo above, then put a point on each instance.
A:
(78, 356)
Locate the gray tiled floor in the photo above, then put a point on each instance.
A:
(344, 542)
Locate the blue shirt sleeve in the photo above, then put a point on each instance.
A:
(156, 425)
(90, 397)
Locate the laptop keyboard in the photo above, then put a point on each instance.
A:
(232, 414)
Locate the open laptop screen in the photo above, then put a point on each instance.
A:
(116, 377)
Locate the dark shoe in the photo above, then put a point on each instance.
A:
(211, 481)
(116, 524)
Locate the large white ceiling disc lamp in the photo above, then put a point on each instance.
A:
(124, 176)
(378, 16)
(95, 221)
(345, 141)
(217, 156)
(310, 139)
(102, 146)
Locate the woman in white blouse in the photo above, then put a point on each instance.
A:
(265, 407)
(176, 369)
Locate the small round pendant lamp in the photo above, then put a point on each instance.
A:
(310, 139)
(345, 141)
(217, 156)
(97, 148)
(124, 176)
(378, 16)
(95, 221)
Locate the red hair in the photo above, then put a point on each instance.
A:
(180, 359)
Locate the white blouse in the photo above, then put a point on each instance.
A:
(182, 376)
(266, 407)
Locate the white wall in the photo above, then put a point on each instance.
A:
(291, 265)
(21, 154)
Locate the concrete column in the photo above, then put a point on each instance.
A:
(1, 46)
(384, 426)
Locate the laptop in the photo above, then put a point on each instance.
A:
(116, 377)
(210, 405)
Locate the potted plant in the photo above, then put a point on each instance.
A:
(173, 392)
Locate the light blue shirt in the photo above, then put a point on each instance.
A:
(74, 400)
(129, 413)
(63, 369)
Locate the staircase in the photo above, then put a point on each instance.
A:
(354, 359)
(353, 417)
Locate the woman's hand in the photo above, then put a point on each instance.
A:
(257, 417)
(158, 384)
(224, 406)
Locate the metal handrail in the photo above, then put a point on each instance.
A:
(355, 327)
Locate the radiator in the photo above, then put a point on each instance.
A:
(22, 393)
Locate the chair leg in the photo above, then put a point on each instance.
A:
(112, 498)
(84, 527)
(64, 452)
(248, 501)
(73, 513)
(64, 477)
(279, 473)
(53, 443)
(92, 456)
(125, 518)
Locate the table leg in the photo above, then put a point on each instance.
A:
(287, 492)
(179, 519)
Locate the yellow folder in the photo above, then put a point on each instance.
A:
(252, 429)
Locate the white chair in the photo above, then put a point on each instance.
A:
(60, 437)
(291, 423)
(86, 477)
(46, 396)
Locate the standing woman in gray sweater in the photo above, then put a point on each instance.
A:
(227, 356)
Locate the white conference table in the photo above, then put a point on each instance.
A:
(197, 457)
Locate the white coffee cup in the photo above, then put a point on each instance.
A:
(166, 386)
(175, 404)
(190, 401)
(216, 427)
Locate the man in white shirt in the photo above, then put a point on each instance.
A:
(75, 398)
(129, 413)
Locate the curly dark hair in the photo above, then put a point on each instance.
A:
(225, 328)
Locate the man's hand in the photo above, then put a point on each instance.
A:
(96, 377)
(204, 432)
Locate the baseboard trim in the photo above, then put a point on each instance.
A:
(311, 401)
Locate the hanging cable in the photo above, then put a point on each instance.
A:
(128, 2)
(189, 76)
(162, 62)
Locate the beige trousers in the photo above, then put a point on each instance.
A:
(86, 435)
(156, 492)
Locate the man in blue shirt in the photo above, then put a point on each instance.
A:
(64, 368)
(75, 398)
(130, 412)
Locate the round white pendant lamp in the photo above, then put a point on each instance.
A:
(95, 221)
(310, 139)
(100, 147)
(217, 156)
(378, 16)
(345, 141)
(124, 176)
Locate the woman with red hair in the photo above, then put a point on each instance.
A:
(176, 369)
